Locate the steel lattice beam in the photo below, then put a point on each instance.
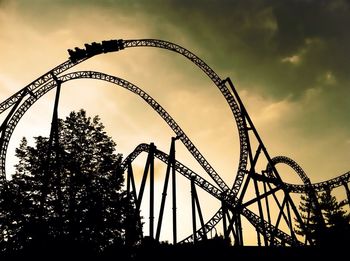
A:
(27, 96)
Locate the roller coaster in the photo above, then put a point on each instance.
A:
(272, 212)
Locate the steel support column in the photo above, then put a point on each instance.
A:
(346, 186)
(239, 230)
(204, 236)
(131, 187)
(144, 179)
(264, 150)
(174, 192)
(193, 210)
(170, 165)
(267, 203)
(46, 171)
(151, 191)
(224, 221)
(53, 138)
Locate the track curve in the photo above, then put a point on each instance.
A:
(30, 88)
(291, 163)
(302, 188)
(32, 92)
(323, 185)
(261, 225)
(39, 92)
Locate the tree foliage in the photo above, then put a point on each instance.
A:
(69, 192)
(337, 220)
(310, 226)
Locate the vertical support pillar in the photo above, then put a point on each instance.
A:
(257, 193)
(53, 135)
(193, 210)
(261, 144)
(128, 190)
(232, 227)
(143, 182)
(170, 165)
(267, 203)
(52, 139)
(346, 186)
(200, 215)
(224, 221)
(258, 237)
(130, 217)
(290, 221)
(58, 156)
(260, 212)
(239, 231)
(131, 188)
(151, 196)
(174, 192)
(278, 219)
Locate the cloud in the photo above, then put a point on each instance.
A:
(328, 78)
(294, 59)
(286, 129)
(287, 59)
(277, 49)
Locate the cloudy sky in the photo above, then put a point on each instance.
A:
(287, 59)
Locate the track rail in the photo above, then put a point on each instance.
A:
(303, 188)
(271, 231)
(122, 44)
(260, 224)
(321, 186)
(22, 100)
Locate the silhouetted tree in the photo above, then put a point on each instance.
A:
(71, 193)
(8, 218)
(310, 226)
(337, 220)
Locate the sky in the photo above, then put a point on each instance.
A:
(287, 59)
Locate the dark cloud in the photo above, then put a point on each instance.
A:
(288, 58)
(256, 42)
(279, 49)
(252, 37)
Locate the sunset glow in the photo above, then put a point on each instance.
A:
(289, 64)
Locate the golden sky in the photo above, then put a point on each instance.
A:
(287, 59)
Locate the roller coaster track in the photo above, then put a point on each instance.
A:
(215, 192)
(22, 100)
(295, 166)
(322, 186)
(205, 185)
(193, 150)
(302, 188)
(260, 224)
(197, 61)
(167, 118)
